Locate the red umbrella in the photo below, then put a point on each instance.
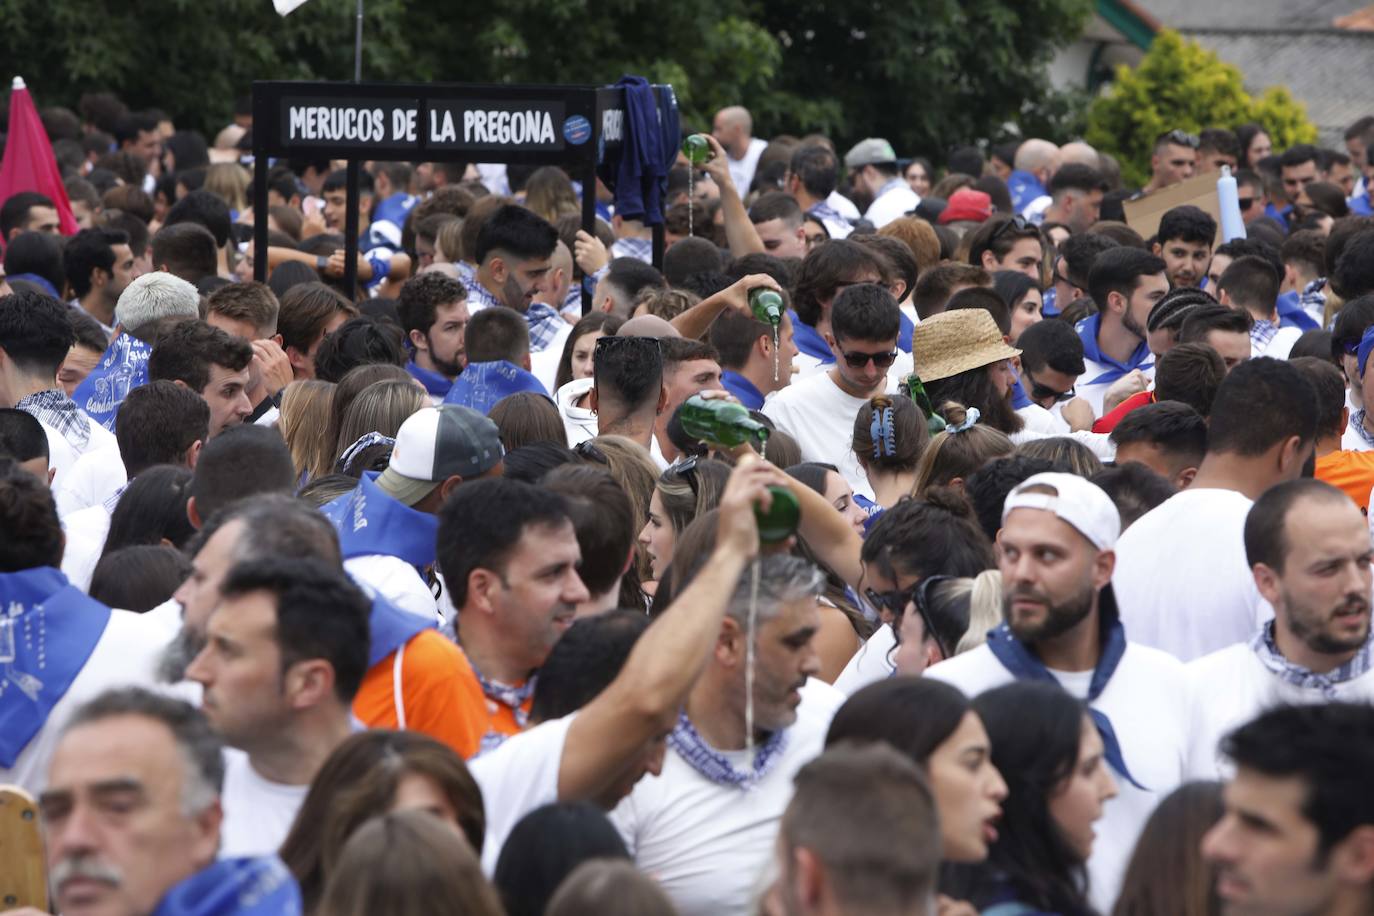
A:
(29, 164)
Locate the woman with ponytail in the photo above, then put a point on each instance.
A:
(890, 434)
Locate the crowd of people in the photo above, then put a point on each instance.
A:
(419, 597)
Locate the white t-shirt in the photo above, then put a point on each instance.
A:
(579, 422)
(1147, 702)
(544, 363)
(125, 656)
(517, 776)
(710, 847)
(1281, 344)
(1182, 580)
(870, 664)
(86, 530)
(1231, 687)
(742, 170)
(395, 580)
(92, 479)
(894, 203)
(820, 416)
(1351, 440)
(61, 457)
(1094, 394)
(258, 813)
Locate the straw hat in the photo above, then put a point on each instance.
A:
(953, 342)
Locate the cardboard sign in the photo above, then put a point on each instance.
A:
(1143, 215)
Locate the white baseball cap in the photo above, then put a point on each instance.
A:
(436, 443)
(1078, 501)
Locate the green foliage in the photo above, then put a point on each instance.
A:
(1180, 84)
(924, 73)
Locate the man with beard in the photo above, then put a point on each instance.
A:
(1056, 552)
(1125, 283)
(961, 356)
(1308, 547)
(434, 315)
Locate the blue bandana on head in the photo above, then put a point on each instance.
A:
(370, 522)
(235, 887)
(48, 629)
(123, 368)
(483, 384)
(1366, 347)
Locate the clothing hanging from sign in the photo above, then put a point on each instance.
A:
(638, 173)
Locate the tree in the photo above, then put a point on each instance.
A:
(1179, 84)
(926, 74)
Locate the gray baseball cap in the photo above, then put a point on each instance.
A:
(872, 151)
(437, 443)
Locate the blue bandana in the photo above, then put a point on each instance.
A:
(36, 280)
(747, 392)
(483, 384)
(390, 628)
(809, 340)
(1293, 315)
(436, 383)
(371, 522)
(123, 368)
(235, 887)
(1024, 188)
(904, 332)
(1087, 332)
(48, 629)
(1019, 398)
(714, 765)
(1267, 651)
(1366, 346)
(1024, 665)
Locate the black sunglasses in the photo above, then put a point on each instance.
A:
(1246, 202)
(588, 451)
(919, 596)
(1041, 392)
(686, 471)
(1182, 138)
(1020, 222)
(857, 360)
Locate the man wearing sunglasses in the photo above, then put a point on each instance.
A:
(1174, 160)
(819, 410)
(1051, 363)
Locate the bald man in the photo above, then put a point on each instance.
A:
(1080, 153)
(733, 128)
(557, 289)
(647, 326)
(1036, 161)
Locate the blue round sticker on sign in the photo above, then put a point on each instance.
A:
(577, 130)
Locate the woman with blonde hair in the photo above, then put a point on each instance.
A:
(306, 410)
(406, 863)
(963, 447)
(633, 468)
(549, 193)
(229, 182)
(379, 408)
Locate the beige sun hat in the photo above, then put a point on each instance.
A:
(953, 342)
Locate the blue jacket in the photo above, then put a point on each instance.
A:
(638, 174)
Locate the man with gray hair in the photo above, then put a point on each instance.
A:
(132, 815)
(754, 717)
(733, 128)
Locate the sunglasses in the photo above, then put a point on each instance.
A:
(857, 360)
(1041, 392)
(1246, 202)
(919, 595)
(588, 451)
(686, 471)
(1020, 223)
(1183, 138)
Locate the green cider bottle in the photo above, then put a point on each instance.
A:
(766, 305)
(721, 423)
(782, 518)
(697, 150)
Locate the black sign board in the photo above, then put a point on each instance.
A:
(567, 126)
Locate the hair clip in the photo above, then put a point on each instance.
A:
(970, 418)
(883, 432)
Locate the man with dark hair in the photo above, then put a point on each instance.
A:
(497, 344)
(99, 265)
(1350, 470)
(1304, 280)
(987, 487)
(286, 651)
(872, 165)
(689, 367)
(1007, 243)
(825, 271)
(310, 311)
(1189, 373)
(1174, 159)
(1075, 196)
(85, 353)
(1125, 283)
(1297, 169)
(35, 258)
(243, 462)
(1354, 274)
(23, 441)
(1217, 147)
(1317, 648)
(210, 363)
(778, 220)
(1051, 363)
(1057, 550)
(84, 647)
(1168, 437)
(434, 315)
(938, 284)
(27, 211)
(980, 297)
(185, 250)
(1134, 489)
(1225, 330)
(627, 391)
(753, 364)
(811, 179)
(1250, 284)
(138, 133)
(857, 804)
(1262, 432)
(1072, 264)
(248, 311)
(622, 283)
(508, 554)
(818, 410)
(1298, 826)
(1184, 241)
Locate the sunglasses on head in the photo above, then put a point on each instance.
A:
(686, 471)
(918, 595)
(588, 451)
(1183, 138)
(857, 360)
(1019, 222)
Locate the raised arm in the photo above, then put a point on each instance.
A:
(696, 321)
(740, 233)
(642, 703)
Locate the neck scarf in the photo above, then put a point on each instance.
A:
(809, 340)
(60, 412)
(1357, 424)
(1267, 651)
(371, 522)
(1025, 666)
(235, 887)
(48, 630)
(436, 383)
(714, 765)
(545, 323)
(482, 385)
(1087, 332)
(390, 628)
